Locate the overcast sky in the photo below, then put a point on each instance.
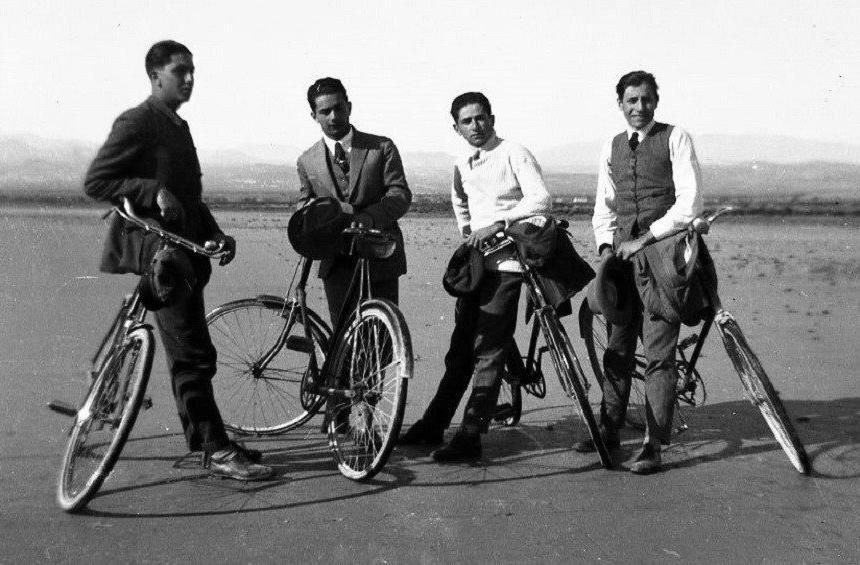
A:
(549, 68)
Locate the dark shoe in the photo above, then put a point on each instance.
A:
(253, 455)
(647, 462)
(233, 463)
(587, 445)
(462, 448)
(421, 434)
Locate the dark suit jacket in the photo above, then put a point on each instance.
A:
(377, 190)
(148, 148)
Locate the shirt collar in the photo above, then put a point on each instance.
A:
(164, 109)
(643, 132)
(473, 153)
(345, 141)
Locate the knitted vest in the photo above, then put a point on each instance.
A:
(643, 181)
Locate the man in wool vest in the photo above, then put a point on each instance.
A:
(648, 186)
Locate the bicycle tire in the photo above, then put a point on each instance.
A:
(271, 400)
(572, 379)
(761, 392)
(595, 333)
(374, 359)
(118, 389)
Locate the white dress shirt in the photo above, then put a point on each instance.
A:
(685, 175)
(345, 142)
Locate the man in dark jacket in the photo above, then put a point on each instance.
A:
(647, 188)
(150, 158)
(365, 174)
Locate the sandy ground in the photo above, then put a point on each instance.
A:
(729, 493)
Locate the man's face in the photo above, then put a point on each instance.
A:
(331, 112)
(175, 80)
(475, 124)
(638, 105)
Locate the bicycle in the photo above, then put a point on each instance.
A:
(527, 373)
(118, 376)
(279, 362)
(690, 389)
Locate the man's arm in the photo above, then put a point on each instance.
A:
(536, 199)
(110, 174)
(396, 197)
(306, 189)
(688, 197)
(603, 222)
(460, 203)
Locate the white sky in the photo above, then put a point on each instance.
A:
(549, 68)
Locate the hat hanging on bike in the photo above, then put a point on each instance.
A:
(315, 229)
(613, 292)
(464, 271)
(170, 277)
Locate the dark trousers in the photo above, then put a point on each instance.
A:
(659, 339)
(484, 324)
(336, 285)
(191, 361)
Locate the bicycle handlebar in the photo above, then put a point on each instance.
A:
(126, 212)
(700, 224)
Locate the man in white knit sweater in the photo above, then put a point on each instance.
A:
(496, 182)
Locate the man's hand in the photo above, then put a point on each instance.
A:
(630, 248)
(477, 238)
(227, 244)
(170, 206)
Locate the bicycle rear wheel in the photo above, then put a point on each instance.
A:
(595, 333)
(572, 379)
(104, 420)
(373, 362)
(265, 398)
(761, 392)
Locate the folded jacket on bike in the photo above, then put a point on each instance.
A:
(675, 277)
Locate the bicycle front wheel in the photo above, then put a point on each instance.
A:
(104, 421)
(372, 366)
(259, 383)
(761, 392)
(595, 333)
(572, 379)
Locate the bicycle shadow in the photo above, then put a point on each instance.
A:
(540, 446)
(828, 430)
(296, 461)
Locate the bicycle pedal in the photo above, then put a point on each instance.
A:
(300, 343)
(63, 408)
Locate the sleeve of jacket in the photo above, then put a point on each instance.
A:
(111, 175)
(212, 228)
(306, 189)
(396, 196)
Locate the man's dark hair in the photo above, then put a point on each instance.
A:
(325, 86)
(470, 98)
(160, 54)
(636, 78)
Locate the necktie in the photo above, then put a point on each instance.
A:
(340, 158)
(634, 141)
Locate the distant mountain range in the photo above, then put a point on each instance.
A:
(731, 164)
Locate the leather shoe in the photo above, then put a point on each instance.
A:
(253, 455)
(587, 445)
(648, 461)
(463, 447)
(232, 462)
(421, 434)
